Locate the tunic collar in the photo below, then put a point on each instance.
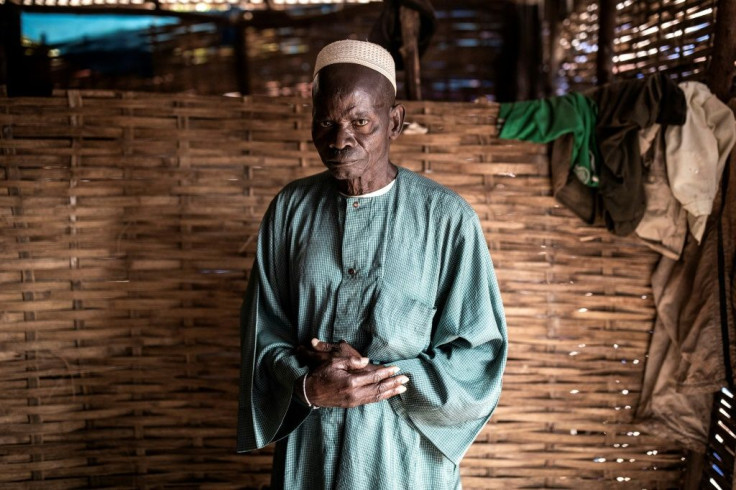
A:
(383, 190)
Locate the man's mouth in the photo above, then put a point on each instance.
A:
(340, 163)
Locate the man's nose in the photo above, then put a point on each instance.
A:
(343, 138)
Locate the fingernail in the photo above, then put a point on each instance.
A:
(315, 342)
(401, 389)
(403, 379)
(395, 369)
(364, 360)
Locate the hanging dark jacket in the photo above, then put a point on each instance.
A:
(624, 108)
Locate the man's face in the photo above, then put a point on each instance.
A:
(352, 121)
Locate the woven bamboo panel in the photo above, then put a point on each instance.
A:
(671, 36)
(128, 230)
(579, 45)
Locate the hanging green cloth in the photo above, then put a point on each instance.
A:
(545, 120)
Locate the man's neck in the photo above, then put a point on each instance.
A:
(368, 184)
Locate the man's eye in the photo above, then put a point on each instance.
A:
(361, 122)
(325, 124)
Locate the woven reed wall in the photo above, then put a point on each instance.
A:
(671, 36)
(128, 229)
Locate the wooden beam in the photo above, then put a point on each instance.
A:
(10, 47)
(552, 23)
(721, 68)
(410, 52)
(11, 71)
(606, 33)
(242, 66)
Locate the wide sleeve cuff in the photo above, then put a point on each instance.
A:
(272, 411)
(450, 417)
(267, 411)
(453, 440)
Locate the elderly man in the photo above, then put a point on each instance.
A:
(373, 334)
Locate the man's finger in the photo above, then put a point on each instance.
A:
(359, 362)
(384, 390)
(347, 350)
(374, 377)
(351, 363)
(308, 355)
(385, 395)
(390, 387)
(312, 356)
(320, 346)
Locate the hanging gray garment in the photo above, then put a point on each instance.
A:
(686, 362)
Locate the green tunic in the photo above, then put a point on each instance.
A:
(404, 277)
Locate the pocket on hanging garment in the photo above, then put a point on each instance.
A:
(400, 327)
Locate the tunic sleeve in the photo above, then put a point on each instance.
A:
(455, 384)
(267, 411)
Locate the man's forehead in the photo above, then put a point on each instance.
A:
(354, 102)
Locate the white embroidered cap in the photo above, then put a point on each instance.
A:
(363, 53)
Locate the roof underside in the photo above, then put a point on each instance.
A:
(188, 5)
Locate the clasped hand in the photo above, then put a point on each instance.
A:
(339, 376)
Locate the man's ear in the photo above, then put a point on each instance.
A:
(396, 120)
